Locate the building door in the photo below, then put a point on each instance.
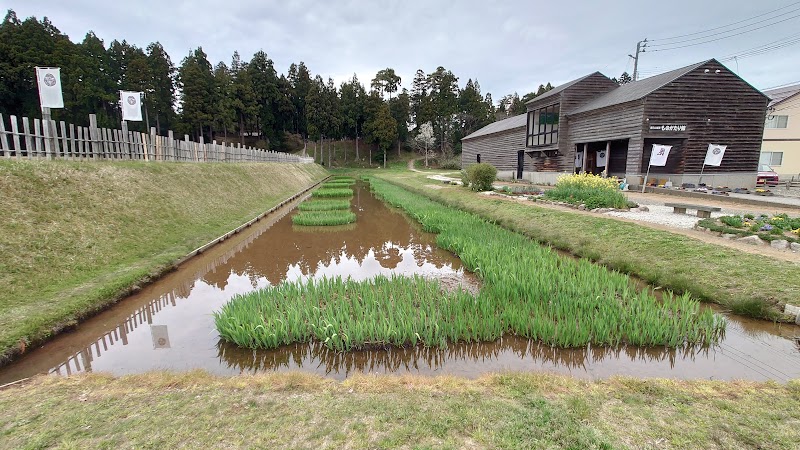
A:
(520, 163)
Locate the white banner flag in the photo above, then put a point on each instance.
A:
(658, 157)
(49, 81)
(131, 105)
(601, 158)
(579, 159)
(714, 154)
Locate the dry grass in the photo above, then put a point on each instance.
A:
(76, 235)
(297, 410)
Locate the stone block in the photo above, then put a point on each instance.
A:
(752, 240)
(779, 244)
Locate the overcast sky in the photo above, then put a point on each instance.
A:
(507, 45)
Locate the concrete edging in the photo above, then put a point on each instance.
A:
(700, 195)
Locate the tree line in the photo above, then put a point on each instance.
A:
(241, 99)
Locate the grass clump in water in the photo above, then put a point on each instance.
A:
(324, 205)
(593, 191)
(528, 290)
(324, 218)
(332, 192)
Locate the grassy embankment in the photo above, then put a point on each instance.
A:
(528, 290)
(747, 284)
(511, 411)
(75, 236)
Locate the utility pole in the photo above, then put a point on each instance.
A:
(640, 48)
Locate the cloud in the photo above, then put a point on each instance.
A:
(509, 46)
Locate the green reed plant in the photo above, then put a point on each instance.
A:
(332, 192)
(324, 205)
(528, 290)
(324, 218)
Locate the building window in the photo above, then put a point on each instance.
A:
(771, 158)
(479, 158)
(776, 122)
(543, 126)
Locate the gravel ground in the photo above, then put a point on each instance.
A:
(663, 215)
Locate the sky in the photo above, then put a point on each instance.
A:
(508, 46)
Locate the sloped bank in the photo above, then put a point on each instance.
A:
(79, 236)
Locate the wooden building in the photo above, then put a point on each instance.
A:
(578, 123)
(781, 145)
(499, 144)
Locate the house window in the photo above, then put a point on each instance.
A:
(776, 122)
(771, 158)
(543, 126)
(479, 158)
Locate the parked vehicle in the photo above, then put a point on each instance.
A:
(766, 176)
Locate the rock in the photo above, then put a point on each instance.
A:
(752, 240)
(729, 236)
(779, 243)
(795, 247)
(643, 208)
(793, 311)
(596, 210)
(582, 207)
(603, 210)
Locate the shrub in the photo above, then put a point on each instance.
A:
(732, 221)
(464, 178)
(481, 176)
(453, 163)
(593, 191)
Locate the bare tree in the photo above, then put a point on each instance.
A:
(425, 139)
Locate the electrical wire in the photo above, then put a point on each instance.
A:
(726, 26)
(724, 37)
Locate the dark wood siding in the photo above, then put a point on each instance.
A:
(735, 109)
(569, 99)
(499, 149)
(608, 124)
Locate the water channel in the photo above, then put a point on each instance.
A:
(168, 324)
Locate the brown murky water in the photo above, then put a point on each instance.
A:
(168, 325)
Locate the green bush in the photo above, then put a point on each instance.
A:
(453, 163)
(464, 178)
(732, 221)
(481, 176)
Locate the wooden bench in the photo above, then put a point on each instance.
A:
(702, 211)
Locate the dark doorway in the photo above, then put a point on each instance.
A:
(520, 163)
(479, 158)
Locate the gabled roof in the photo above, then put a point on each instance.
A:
(635, 90)
(501, 125)
(780, 94)
(560, 88)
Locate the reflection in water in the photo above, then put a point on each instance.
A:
(316, 357)
(180, 333)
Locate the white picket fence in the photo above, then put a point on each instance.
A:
(50, 140)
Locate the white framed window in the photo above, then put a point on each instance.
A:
(776, 121)
(771, 158)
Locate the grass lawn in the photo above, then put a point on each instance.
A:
(747, 284)
(197, 410)
(77, 235)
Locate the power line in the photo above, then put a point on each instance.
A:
(781, 85)
(762, 46)
(724, 37)
(729, 25)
